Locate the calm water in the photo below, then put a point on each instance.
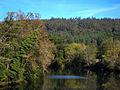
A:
(73, 81)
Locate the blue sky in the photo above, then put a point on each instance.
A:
(63, 8)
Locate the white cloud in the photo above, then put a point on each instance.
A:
(91, 12)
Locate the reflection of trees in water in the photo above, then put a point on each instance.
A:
(113, 83)
(61, 84)
(99, 80)
(26, 85)
(102, 77)
(34, 84)
(107, 81)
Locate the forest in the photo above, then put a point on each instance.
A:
(31, 47)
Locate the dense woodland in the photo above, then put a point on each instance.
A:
(94, 42)
(29, 47)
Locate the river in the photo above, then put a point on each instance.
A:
(83, 80)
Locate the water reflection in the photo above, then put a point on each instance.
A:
(65, 77)
(78, 81)
(68, 81)
(107, 81)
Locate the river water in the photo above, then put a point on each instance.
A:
(72, 81)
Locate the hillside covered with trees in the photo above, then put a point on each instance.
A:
(30, 47)
(88, 30)
(87, 41)
(25, 51)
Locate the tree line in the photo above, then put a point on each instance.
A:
(29, 46)
(89, 40)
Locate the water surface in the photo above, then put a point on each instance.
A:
(72, 81)
(65, 77)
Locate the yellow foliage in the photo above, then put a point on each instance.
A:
(75, 48)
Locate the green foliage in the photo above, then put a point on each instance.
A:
(17, 63)
(10, 74)
(74, 56)
(2, 67)
(56, 40)
(27, 51)
(17, 38)
(87, 31)
(110, 50)
(60, 62)
(100, 36)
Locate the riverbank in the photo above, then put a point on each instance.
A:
(3, 84)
